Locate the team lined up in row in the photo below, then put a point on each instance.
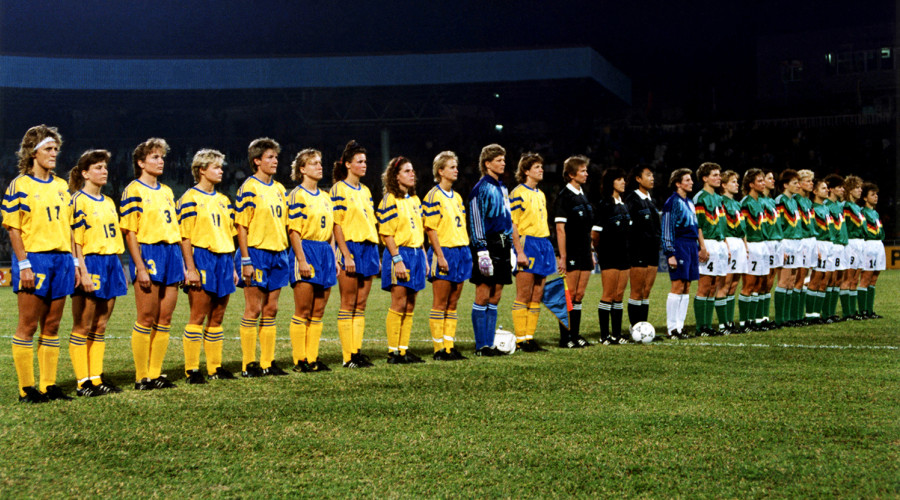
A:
(826, 227)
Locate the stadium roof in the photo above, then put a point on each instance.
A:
(314, 72)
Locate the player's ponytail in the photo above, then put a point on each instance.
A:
(88, 158)
(352, 149)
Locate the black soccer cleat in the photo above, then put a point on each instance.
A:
(361, 360)
(412, 358)
(568, 344)
(582, 342)
(54, 393)
(455, 355)
(108, 386)
(89, 390)
(485, 352)
(274, 371)
(302, 366)
(221, 374)
(318, 366)
(442, 355)
(32, 396)
(162, 382)
(252, 370)
(351, 364)
(194, 377)
(144, 385)
(395, 358)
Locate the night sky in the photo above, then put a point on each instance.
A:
(663, 45)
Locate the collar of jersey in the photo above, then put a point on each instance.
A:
(351, 187)
(579, 191)
(535, 189)
(204, 192)
(264, 183)
(448, 195)
(310, 192)
(641, 195)
(48, 181)
(148, 187)
(89, 195)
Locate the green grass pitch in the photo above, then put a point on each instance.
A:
(812, 412)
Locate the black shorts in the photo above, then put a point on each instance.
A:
(581, 261)
(500, 250)
(643, 254)
(613, 260)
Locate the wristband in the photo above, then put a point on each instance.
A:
(75, 261)
(24, 264)
(397, 259)
(246, 261)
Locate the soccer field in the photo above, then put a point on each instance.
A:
(809, 412)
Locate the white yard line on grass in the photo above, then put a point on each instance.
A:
(783, 346)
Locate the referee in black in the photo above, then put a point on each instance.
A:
(643, 241)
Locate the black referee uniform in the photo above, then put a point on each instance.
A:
(613, 225)
(576, 212)
(644, 242)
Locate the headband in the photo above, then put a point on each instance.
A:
(47, 139)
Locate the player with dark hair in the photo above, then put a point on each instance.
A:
(261, 215)
(206, 218)
(150, 225)
(310, 230)
(682, 249)
(737, 247)
(875, 256)
(790, 222)
(574, 219)
(403, 262)
(753, 214)
(643, 245)
(772, 234)
(492, 236)
(529, 214)
(37, 214)
(98, 245)
(356, 237)
(855, 253)
(450, 261)
(610, 237)
(839, 240)
(713, 249)
(824, 269)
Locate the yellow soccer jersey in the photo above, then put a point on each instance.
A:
(529, 211)
(446, 214)
(402, 219)
(150, 213)
(311, 214)
(96, 226)
(354, 211)
(207, 219)
(262, 209)
(42, 211)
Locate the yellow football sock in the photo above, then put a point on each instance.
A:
(436, 324)
(48, 358)
(534, 313)
(213, 339)
(140, 349)
(520, 320)
(298, 330)
(96, 346)
(192, 340)
(23, 358)
(449, 330)
(345, 332)
(159, 344)
(405, 332)
(359, 327)
(266, 342)
(248, 342)
(78, 353)
(392, 325)
(313, 334)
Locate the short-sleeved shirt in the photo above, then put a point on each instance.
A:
(874, 229)
(805, 206)
(41, 211)
(445, 213)
(613, 222)
(839, 229)
(311, 214)
(402, 219)
(753, 214)
(262, 209)
(149, 212)
(645, 224)
(771, 228)
(855, 221)
(354, 211)
(789, 216)
(575, 211)
(528, 208)
(734, 222)
(207, 219)
(822, 222)
(96, 225)
(710, 220)
(489, 212)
